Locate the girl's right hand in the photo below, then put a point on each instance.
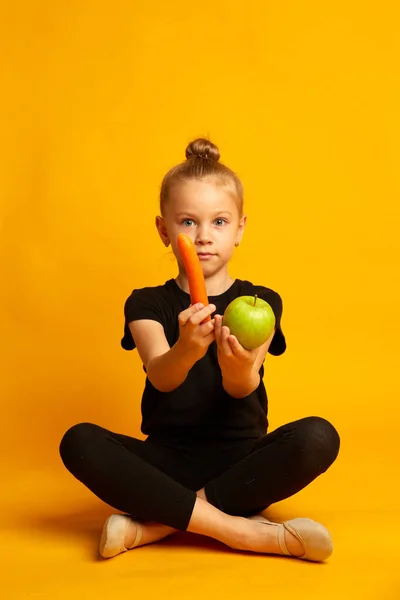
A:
(195, 338)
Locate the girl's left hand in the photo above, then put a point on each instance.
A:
(235, 361)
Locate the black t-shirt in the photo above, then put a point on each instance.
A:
(200, 407)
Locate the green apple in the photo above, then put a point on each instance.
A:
(250, 319)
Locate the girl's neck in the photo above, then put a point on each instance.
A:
(216, 284)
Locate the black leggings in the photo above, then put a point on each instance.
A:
(156, 480)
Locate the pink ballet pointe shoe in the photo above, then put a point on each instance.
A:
(314, 537)
(112, 540)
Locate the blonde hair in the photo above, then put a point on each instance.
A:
(202, 162)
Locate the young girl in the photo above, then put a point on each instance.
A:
(208, 465)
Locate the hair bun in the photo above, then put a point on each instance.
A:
(202, 148)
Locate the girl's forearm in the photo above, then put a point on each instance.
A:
(169, 370)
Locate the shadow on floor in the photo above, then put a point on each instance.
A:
(86, 525)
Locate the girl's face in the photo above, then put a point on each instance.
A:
(209, 215)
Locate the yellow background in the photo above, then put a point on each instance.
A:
(98, 101)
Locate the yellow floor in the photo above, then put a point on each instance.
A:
(49, 550)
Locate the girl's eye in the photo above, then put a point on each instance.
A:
(220, 219)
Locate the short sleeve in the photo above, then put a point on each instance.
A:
(278, 344)
(143, 303)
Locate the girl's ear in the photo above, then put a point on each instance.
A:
(240, 231)
(162, 230)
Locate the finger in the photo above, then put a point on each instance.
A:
(212, 308)
(221, 335)
(248, 356)
(224, 344)
(199, 316)
(236, 346)
(217, 321)
(216, 328)
(185, 315)
(206, 328)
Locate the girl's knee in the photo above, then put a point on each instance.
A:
(74, 441)
(321, 439)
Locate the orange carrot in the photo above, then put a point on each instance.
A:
(194, 271)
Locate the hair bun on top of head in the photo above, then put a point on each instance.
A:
(202, 148)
